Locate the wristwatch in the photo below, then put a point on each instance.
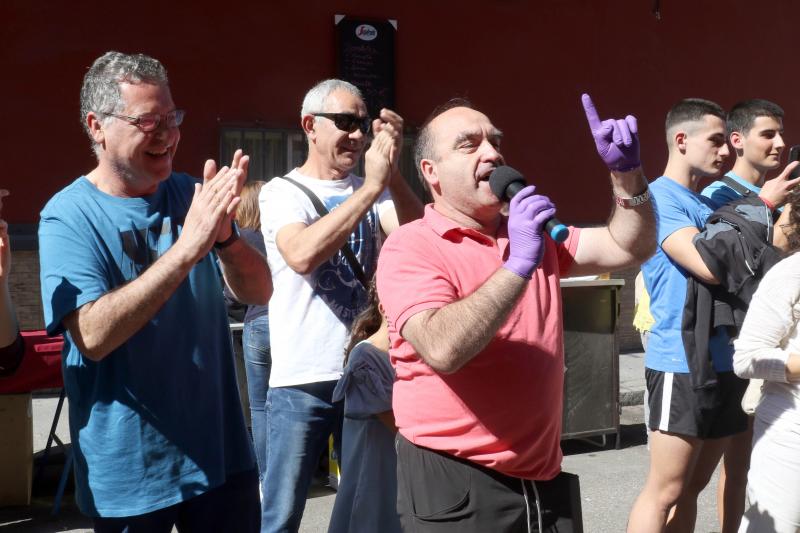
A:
(639, 199)
(230, 240)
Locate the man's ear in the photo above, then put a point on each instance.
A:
(96, 130)
(737, 140)
(429, 172)
(308, 123)
(680, 141)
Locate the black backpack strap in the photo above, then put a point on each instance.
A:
(347, 252)
(736, 186)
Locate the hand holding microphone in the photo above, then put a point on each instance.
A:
(506, 182)
(617, 141)
(527, 215)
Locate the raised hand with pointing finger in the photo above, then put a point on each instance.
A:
(616, 140)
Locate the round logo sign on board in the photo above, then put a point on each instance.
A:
(365, 32)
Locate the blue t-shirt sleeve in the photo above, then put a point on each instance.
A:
(671, 216)
(72, 273)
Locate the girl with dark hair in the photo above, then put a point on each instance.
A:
(367, 494)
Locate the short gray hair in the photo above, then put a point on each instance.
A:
(314, 101)
(100, 91)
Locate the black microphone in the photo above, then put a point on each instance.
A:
(506, 182)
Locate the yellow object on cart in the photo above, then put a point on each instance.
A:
(334, 474)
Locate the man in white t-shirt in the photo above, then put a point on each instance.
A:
(317, 290)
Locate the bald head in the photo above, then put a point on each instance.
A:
(424, 145)
(460, 127)
(457, 151)
(457, 115)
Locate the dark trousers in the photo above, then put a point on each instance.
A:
(233, 506)
(439, 493)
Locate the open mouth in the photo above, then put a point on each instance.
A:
(486, 174)
(158, 154)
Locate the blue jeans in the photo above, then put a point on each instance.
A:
(257, 366)
(299, 421)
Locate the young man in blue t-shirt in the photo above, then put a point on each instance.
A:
(755, 132)
(686, 443)
(129, 278)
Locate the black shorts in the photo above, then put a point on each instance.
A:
(676, 407)
(439, 493)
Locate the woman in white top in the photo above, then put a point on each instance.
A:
(768, 348)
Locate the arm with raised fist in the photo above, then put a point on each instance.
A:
(629, 236)
(447, 338)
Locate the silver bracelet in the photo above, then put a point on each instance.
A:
(637, 200)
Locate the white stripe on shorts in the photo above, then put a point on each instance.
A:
(666, 400)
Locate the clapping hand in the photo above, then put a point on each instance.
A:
(383, 157)
(240, 163)
(214, 201)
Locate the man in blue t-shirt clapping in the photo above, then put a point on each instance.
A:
(129, 276)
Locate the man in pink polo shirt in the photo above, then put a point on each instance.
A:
(474, 307)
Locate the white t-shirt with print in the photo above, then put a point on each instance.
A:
(310, 315)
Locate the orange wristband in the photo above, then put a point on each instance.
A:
(768, 203)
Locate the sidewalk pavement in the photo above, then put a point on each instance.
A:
(631, 379)
(610, 478)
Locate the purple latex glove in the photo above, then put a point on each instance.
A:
(616, 140)
(527, 215)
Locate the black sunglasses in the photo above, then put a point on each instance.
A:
(347, 121)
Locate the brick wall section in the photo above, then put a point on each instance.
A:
(27, 298)
(24, 285)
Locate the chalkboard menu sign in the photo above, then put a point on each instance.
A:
(365, 50)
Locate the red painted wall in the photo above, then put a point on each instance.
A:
(523, 62)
